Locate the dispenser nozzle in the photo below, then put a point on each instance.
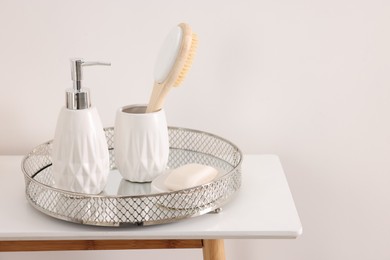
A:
(78, 98)
(77, 71)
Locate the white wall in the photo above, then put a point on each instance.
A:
(307, 80)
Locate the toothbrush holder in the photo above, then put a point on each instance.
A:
(141, 143)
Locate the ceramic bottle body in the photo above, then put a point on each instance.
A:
(80, 154)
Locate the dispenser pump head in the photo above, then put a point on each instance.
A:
(78, 97)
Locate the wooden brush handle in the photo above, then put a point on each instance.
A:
(158, 96)
(160, 90)
(153, 97)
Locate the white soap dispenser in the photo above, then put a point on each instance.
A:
(80, 154)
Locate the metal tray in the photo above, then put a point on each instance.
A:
(124, 203)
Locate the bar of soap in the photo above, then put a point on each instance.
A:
(190, 175)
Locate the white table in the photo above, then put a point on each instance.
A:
(263, 208)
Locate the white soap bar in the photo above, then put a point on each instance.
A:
(190, 175)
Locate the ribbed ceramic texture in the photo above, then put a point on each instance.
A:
(186, 146)
(79, 156)
(141, 144)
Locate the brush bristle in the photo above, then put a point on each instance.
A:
(190, 58)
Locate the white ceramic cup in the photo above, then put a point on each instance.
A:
(141, 144)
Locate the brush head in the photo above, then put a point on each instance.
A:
(176, 56)
(173, 64)
(167, 56)
(188, 61)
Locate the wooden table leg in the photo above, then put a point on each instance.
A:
(213, 249)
